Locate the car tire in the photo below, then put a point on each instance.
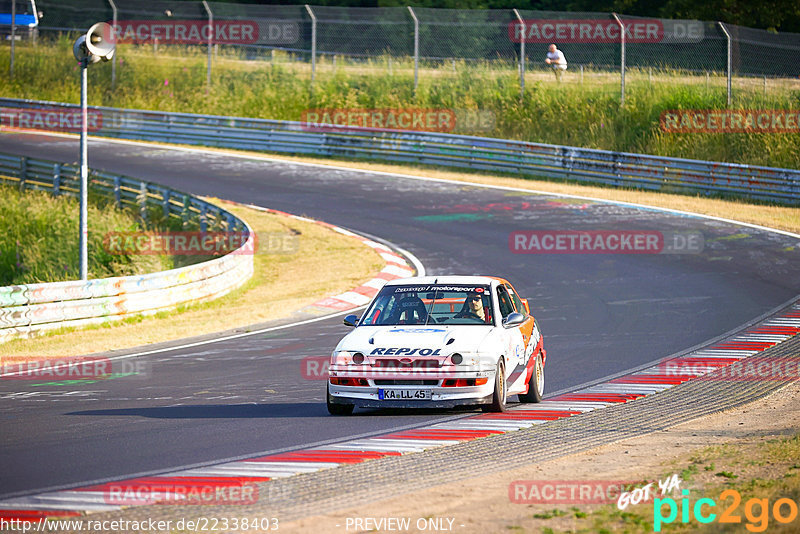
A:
(536, 383)
(338, 409)
(499, 397)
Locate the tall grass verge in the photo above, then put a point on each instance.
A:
(580, 113)
(39, 240)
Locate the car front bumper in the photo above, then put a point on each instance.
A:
(369, 396)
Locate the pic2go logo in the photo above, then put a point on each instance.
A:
(756, 511)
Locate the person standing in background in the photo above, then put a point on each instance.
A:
(557, 61)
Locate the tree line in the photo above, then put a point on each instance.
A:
(772, 15)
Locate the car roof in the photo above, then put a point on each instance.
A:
(449, 279)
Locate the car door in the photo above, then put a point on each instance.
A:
(513, 342)
(528, 329)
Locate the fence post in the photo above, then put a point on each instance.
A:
(56, 179)
(210, 39)
(729, 60)
(621, 60)
(521, 56)
(13, 37)
(114, 58)
(416, 47)
(313, 44)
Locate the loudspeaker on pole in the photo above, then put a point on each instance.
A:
(98, 44)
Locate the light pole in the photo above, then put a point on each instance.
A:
(97, 44)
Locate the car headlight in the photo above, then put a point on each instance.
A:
(465, 358)
(345, 357)
(342, 357)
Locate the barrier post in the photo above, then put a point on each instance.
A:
(143, 201)
(56, 179)
(117, 192)
(165, 203)
(23, 172)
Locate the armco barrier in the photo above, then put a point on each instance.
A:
(26, 310)
(466, 152)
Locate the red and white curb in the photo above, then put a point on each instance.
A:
(174, 486)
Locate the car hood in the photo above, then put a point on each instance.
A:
(415, 340)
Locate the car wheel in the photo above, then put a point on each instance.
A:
(535, 384)
(338, 409)
(499, 397)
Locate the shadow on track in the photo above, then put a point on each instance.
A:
(254, 411)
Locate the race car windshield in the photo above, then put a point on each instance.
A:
(431, 304)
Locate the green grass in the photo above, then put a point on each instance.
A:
(572, 113)
(548, 514)
(39, 240)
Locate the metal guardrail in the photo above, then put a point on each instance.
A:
(620, 169)
(26, 310)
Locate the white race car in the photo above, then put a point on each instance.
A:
(439, 341)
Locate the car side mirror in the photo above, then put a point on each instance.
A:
(351, 320)
(513, 319)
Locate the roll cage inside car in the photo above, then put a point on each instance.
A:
(432, 304)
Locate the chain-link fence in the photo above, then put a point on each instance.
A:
(435, 43)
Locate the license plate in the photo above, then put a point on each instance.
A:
(404, 394)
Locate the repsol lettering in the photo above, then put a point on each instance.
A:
(403, 351)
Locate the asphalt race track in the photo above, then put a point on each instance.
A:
(600, 313)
